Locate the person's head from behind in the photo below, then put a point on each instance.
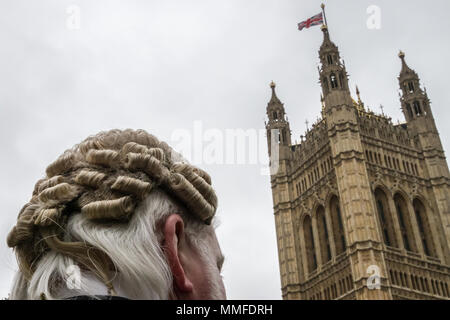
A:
(119, 214)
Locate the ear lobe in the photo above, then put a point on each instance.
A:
(173, 237)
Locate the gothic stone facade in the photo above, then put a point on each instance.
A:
(361, 196)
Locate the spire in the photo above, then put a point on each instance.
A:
(359, 104)
(406, 70)
(274, 99)
(415, 102)
(327, 43)
(357, 94)
(277, 120)
(275, 108)
(333, 75)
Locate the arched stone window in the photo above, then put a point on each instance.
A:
(333, 81)
(350, 282)
(405, 223)
(337, 225)
(413, 282)
(411, 86)
(427, 285)
(403, 279)
(385, 218)
(433, 287)
(417, 109)
(329, 59)
(325, 248)
(275, 115)
(309, 244)
(424, 228)
(438, 288)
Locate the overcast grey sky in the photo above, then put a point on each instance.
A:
(161, 65)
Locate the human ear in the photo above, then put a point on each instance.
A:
(173, 240)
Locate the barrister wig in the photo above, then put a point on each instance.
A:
(104, 178)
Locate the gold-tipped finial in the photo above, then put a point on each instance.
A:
(324, 27)
(322, 6)
(272, 84)
(401, 54)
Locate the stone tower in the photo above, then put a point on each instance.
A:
(277, 121)
(361, 205)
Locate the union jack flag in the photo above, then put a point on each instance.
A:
(313, 21)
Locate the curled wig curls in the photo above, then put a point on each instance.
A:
(149, 164)
(23, 230)
(90, 178)
(131, 185)
(203, 174)
(193, 199)
(117, 209)
(105, 177)
(62, 192)
(46, 217)
(61, 165)
(136, 161)
(197, 181)
(44, 184)
(133, 147)
(107, 158)
(158, 153)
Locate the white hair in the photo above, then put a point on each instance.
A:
(133, 247)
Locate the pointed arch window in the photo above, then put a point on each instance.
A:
(337, 225)
(333, 81)
(309, 244)
(411, 87)
(329, 59)
(324, 240)
(424, 228)
(385, 218)
(417, 109)
(275, 115)
(405, 223)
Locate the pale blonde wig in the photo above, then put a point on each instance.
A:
(102, 181)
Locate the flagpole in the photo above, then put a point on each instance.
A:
(323, 12)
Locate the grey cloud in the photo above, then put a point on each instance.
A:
(161, 65)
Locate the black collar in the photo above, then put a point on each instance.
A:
(96, 297)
